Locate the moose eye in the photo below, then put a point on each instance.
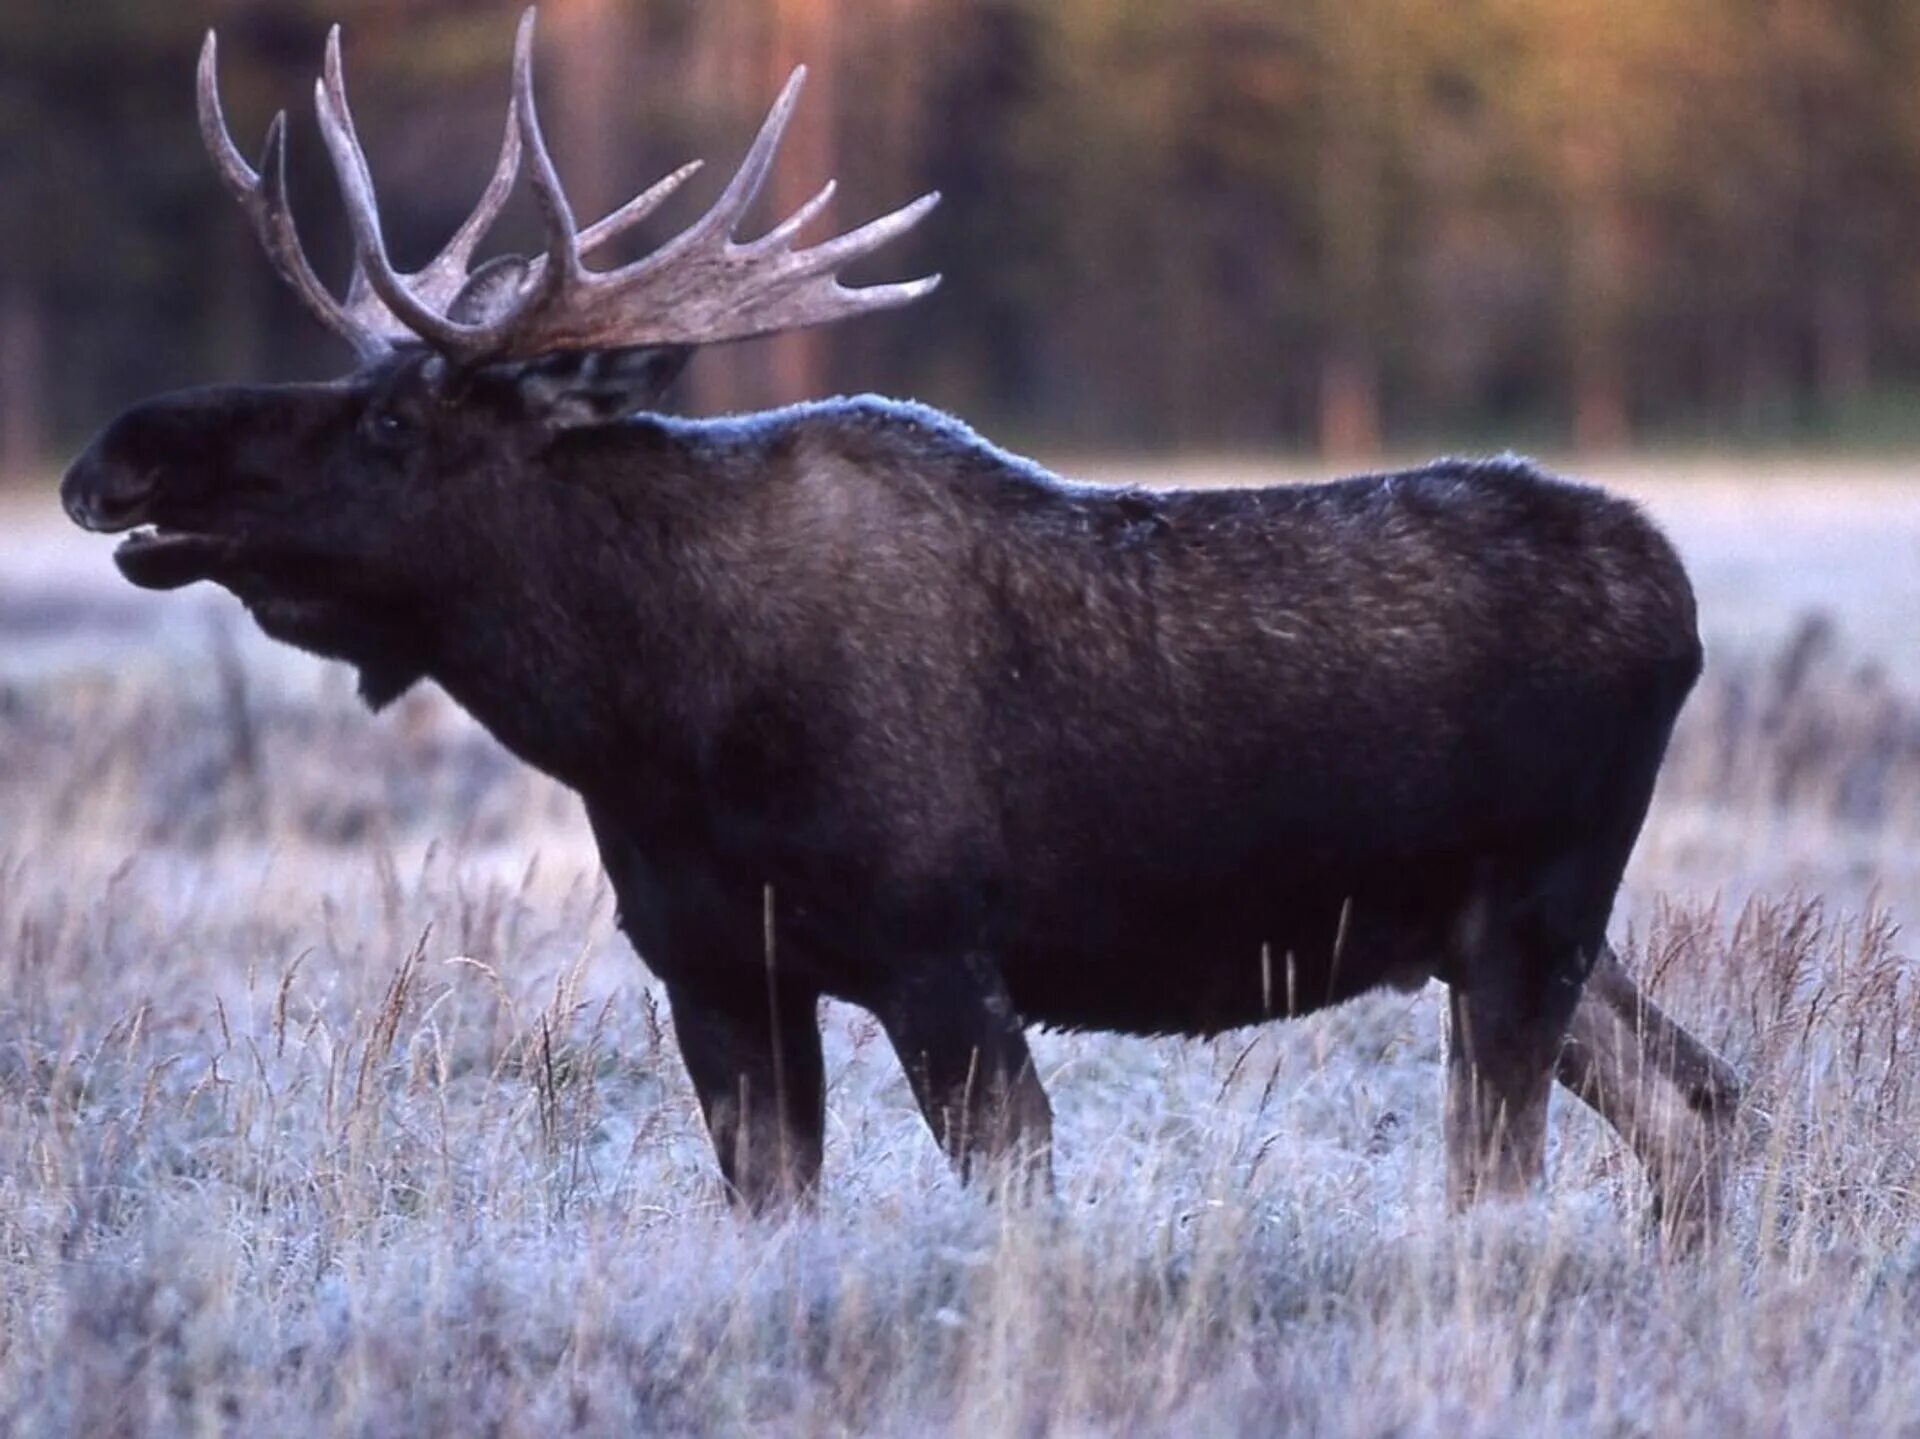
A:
(389, 427)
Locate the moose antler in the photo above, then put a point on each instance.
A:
(702, 286)
(369, 324)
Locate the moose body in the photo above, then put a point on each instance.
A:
(1173, 762)
(863, 707)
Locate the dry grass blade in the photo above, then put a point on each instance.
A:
(473, 1189)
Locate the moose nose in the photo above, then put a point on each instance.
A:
(99, 494)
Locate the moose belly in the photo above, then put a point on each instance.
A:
(1138, 959)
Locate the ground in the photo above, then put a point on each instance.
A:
(328, 1089)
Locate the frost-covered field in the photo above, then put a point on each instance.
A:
(330, 1099)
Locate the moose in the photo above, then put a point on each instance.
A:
(861, 706)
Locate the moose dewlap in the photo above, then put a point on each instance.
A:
(982, 748)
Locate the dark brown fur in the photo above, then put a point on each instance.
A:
(998, 749)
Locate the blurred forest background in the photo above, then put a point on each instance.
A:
(1314, 224)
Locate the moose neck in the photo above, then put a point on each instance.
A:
(593, 639)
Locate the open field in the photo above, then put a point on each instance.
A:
(328, 1090)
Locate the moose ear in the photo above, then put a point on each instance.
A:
(595, 386)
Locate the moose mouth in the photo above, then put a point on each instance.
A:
(156, 558)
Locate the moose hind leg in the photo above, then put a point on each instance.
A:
(1496, 1113)
(1667, 1095)
(961, 1045)
(1520, 957)
(757, 1070)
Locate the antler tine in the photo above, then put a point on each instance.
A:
(771, 287)
(805, 294)
(360, 293)
(611, 226)
(282, 241)
(446, 273)
(238, 174)
(725, 216)
(363, 213)
(562, 267)
(702, 285)
(871, 298)
(863, 240)
(263, 195)
(784, 232)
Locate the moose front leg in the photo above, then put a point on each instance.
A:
(960, 1042)
(753, 1052)
(762, 1087)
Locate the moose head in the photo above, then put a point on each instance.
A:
(326, 507)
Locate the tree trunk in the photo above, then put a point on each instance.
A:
(726, 65)
(22, 373)
(1842, 361)
(1351, 196)
(1599, 403)
(590, 39)
(803, 35)
(1597, 305)
(1349, 405)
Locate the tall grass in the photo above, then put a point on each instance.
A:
(330, 1098)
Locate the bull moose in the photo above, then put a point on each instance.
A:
(977, 746)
